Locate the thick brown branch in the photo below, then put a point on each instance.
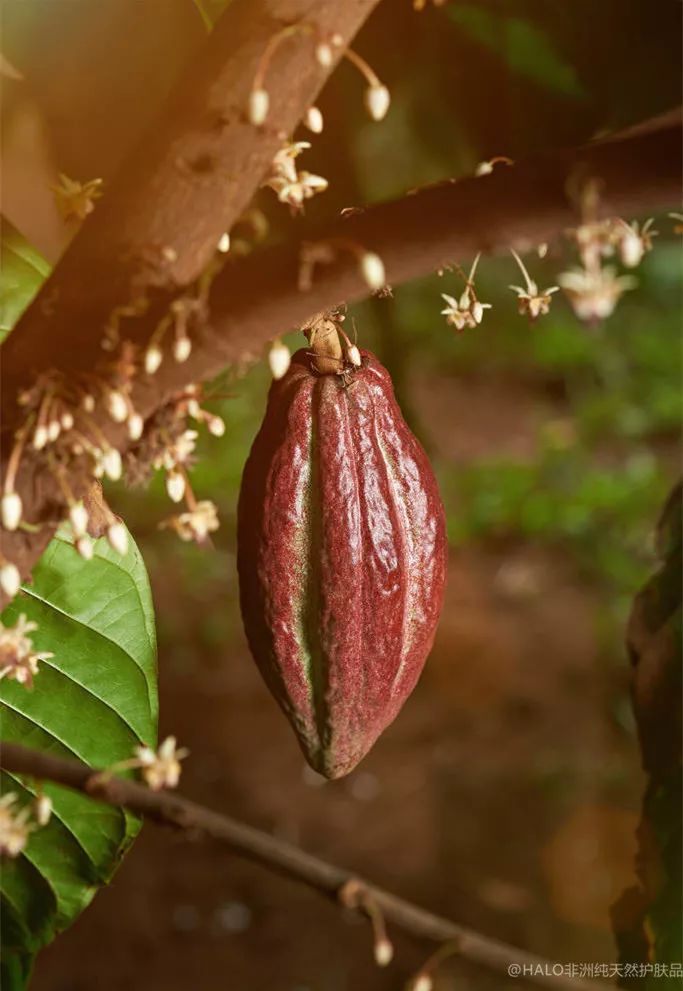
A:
(274, 854)
(188, 181)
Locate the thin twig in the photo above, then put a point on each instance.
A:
(170, 809)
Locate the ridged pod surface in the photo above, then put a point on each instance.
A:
(341, 557)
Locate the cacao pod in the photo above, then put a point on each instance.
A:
(341, 557)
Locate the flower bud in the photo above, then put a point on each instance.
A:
(353, 354)
(10, 579)
(117, 406)
(258, 107)
(323, 54)
(135, 426)
(54, 428)
(78, 515)
(384, 952)
(377, 100)
(84, 546)
(40, 437)
(224, 243)
(216, 426)
(42, 808)
(111, 463)
(117, 535)
(11, 510)
(67, 420)
(175, 485)
(182, 347)
(372, 269)
(153, 358)
(314, 120)
(279, 359)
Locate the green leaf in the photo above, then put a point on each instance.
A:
(22, 272)
(96, 699)
(524, 48)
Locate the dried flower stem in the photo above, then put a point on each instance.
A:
(363, 67)
(300, 27)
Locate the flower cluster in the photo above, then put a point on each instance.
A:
(594, 290)
(18, 659)
(290, 185)
(169, 444)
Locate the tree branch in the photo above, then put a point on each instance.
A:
(273, 854)
(187, 182)
(160, 219)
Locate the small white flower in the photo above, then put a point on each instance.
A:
(224, 243)
(196, 524)
(279, 359)
(178, 452)
(531, 301)
(67, 420)
(258, 106)
(11, 510)
(54, 429)
(161, 769)
(377, 100)
(314, 120)
(594, 295)
(78, 516)
(153, 358)
(468, 311)
(422, 982)
(18, 659)
(76, 199)
(117, 536)
(175, 485)
(88, 403)
(372, 270)
(10, 579)
(632, 243)
(14, 826)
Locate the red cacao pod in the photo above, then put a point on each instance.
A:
(341, 557)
